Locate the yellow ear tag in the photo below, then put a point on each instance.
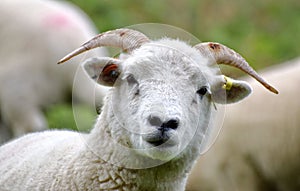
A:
(228, 83)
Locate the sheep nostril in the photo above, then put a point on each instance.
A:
(171, 124)
(163, 126)
(155, 121)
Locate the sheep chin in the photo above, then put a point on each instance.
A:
(160, 151)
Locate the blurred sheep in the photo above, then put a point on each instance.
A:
(257, 151)
(34, 35)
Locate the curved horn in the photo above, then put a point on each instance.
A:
(126, 39)
(227, 56)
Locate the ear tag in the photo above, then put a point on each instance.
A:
(228, 83)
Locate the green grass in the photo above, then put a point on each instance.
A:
(62, 117)
(264, 32)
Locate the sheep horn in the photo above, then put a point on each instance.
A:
(126, 39)
(227, 56)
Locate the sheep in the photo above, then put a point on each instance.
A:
(257, 151)
(29, 81)
(152, 123)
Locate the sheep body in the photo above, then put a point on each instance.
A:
(71, 165)
(30, 80)
(257, 150)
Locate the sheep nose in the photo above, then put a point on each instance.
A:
(171, 124)
(163, 126)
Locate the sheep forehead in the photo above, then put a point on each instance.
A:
(172, 47)
(165, 57)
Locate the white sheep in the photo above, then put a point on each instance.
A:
(151, 127)
(257, 151)
(34, 35)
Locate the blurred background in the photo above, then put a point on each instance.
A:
(264, 32)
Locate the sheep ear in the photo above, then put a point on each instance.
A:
(231, 91)
(103, 70)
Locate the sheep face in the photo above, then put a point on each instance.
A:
(162, 96)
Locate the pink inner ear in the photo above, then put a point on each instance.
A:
(109, 74)
(108, 68)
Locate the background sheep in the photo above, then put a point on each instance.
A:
(259, 146)
(151, 126)
(34, 35)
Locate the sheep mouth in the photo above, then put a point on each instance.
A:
(163, 140)
(157, 143)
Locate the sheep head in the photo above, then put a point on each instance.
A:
(164, 91)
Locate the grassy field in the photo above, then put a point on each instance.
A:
(264, 32)
(62, 117)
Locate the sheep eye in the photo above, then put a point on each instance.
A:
(202, 91)
(133, 83)
(131, 80)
